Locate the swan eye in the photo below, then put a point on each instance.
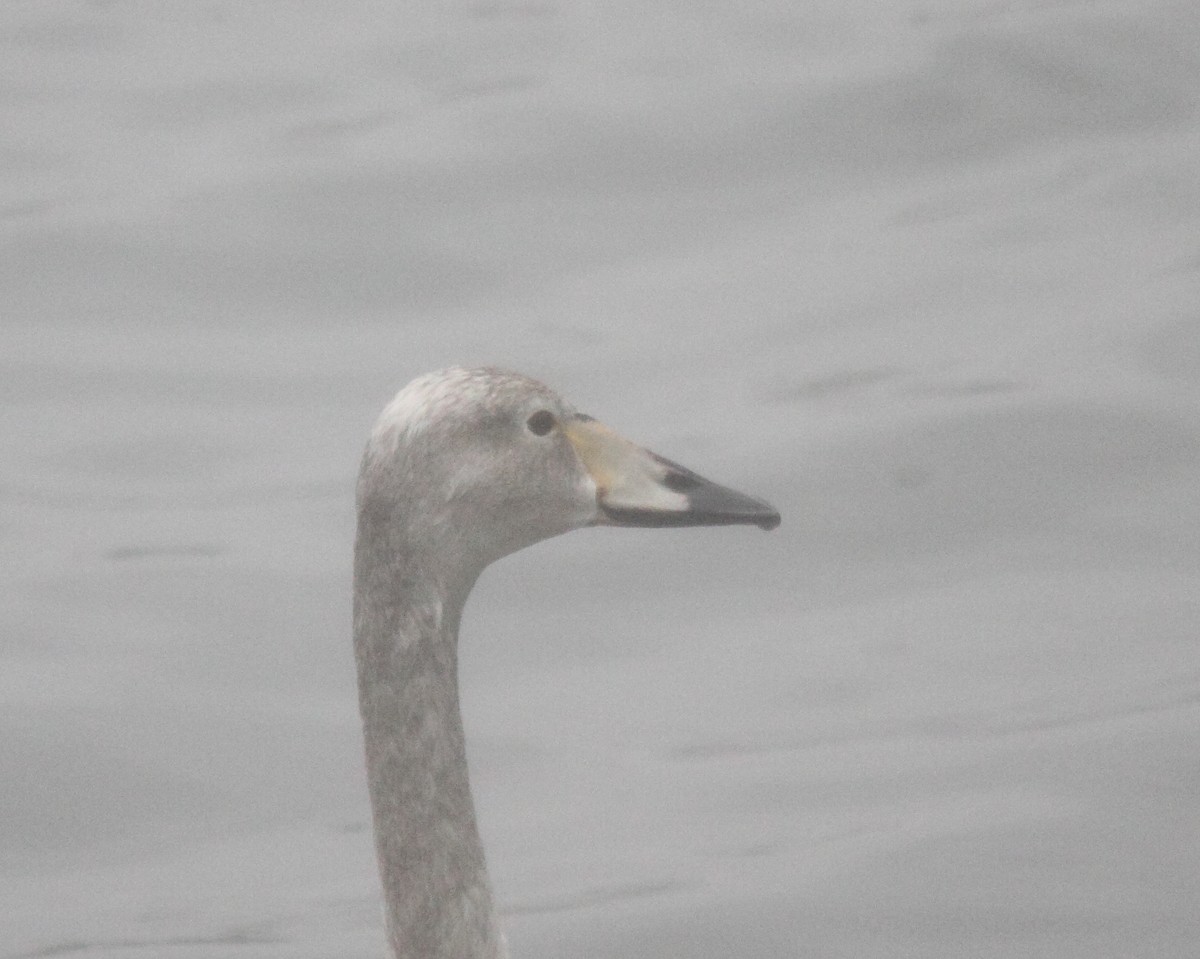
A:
(541, 423)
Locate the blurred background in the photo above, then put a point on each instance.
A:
(923, 273)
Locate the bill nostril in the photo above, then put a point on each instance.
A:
(680, 482)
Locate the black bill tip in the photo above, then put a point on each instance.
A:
(706, 504)
(769, 521)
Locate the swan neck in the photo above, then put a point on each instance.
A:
(437, 897)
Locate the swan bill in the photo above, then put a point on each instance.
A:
(635, 487)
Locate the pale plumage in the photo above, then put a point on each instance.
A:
(463, 467)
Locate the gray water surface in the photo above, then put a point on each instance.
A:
(924, 275)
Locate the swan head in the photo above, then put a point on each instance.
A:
(479, 463)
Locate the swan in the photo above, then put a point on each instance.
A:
(463, 467)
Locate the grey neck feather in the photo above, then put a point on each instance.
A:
(437, 897)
